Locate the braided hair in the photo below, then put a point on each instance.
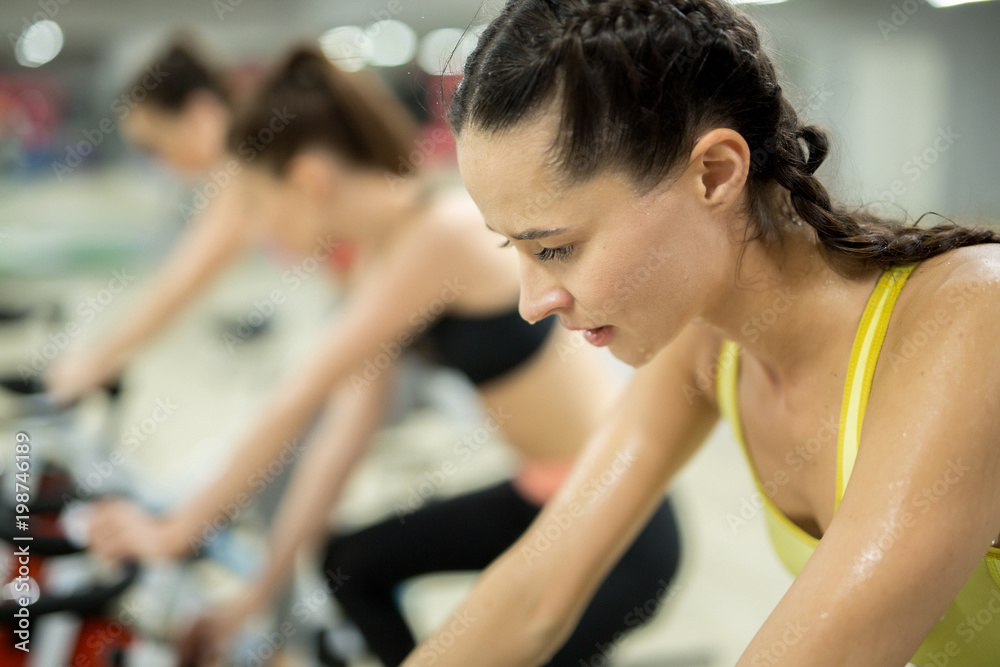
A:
(636, 82)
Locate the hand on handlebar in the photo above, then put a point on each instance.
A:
(209, 640)
(121, 530)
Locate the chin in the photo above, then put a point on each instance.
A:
(630, 354)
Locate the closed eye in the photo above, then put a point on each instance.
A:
(546, 254)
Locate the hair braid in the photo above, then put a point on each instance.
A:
(636, 82)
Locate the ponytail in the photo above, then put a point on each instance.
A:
(351, 114)
(181, 71)
(855, 237)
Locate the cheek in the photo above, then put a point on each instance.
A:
(175, 159)
(199, 155)
(629, 282)
(589, 287)
(594, 277)
(202, 157)
(181, 144)
(648, 287)
(178, 153)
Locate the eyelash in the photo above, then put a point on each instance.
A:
(547, 254)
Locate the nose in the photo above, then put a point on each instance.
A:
(541, 296)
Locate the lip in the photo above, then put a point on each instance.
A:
(572, 327)
(598, 336)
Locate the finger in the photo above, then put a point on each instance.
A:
(100, 541)
(106, 549)
(104, 533)
(102, 512)
(114, 546)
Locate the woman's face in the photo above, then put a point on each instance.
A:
(630, 270)
(189, 140)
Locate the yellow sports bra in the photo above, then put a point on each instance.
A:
(968, 635)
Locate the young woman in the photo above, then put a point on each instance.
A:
(430, 277)
(183, 118)
(847, 351)
(181, 122)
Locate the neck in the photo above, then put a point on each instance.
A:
(788, 307)
(384, 205)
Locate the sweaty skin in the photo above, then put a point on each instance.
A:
(854, 603)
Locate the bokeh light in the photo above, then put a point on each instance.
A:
(348, 47)
(393, 43)
(39, 43)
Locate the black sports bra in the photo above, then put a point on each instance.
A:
(485, 348)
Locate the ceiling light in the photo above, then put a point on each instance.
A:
(39, 43)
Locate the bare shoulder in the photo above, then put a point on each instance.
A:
(452, 211)
(979, 262)
(945, 323)
(962, 284)
(450, 227)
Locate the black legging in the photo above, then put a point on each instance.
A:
(468, 533)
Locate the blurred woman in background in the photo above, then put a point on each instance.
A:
(325, 155)
(183, 123)
(183, 120)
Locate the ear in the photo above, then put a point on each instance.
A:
(314, 174)
(720, 164)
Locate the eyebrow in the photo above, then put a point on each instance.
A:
(533, 234)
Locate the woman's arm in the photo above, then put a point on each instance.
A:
(341, 441)
(528, 601)
(389, 308)
(922, 504)
(210, 245)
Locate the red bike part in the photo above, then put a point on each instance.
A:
(101, 643)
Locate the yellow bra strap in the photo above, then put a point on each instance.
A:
(726, 373)
(727, 369)
(857, 384)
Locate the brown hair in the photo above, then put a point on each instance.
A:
(636, 82)
(181, 72)
(352, 115)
